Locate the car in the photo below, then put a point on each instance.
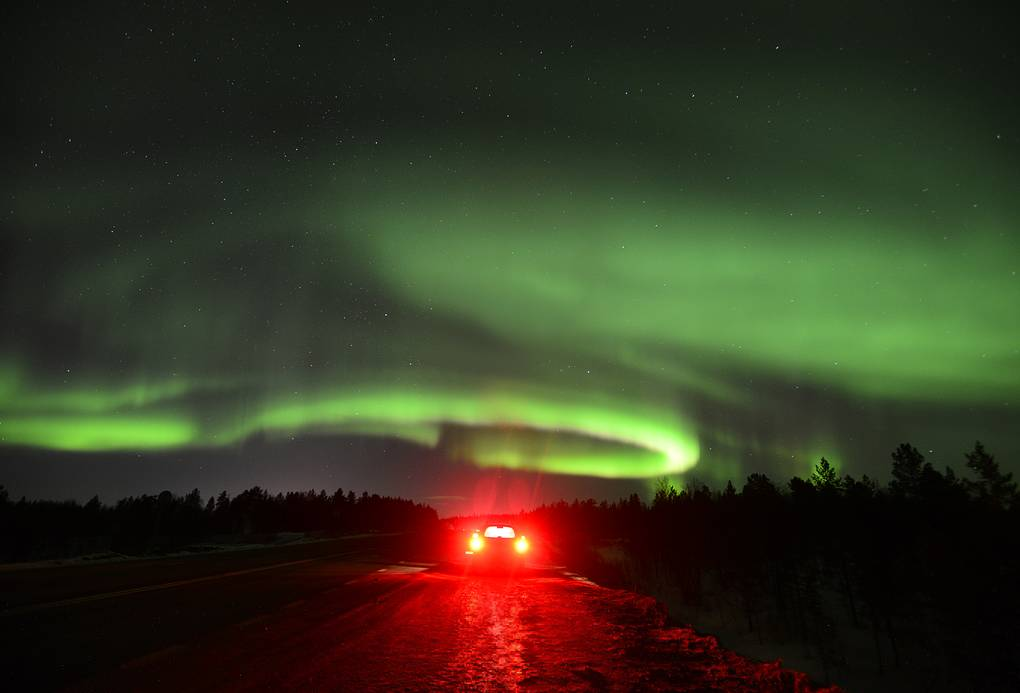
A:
(497, 544)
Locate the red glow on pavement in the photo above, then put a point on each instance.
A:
(540, 631)
(447, 629)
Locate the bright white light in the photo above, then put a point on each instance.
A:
(495, 532)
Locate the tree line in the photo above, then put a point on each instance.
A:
(924, 570)
(39, 529)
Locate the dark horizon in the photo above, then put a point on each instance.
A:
(452, 488)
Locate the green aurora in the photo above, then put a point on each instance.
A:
(560, 261)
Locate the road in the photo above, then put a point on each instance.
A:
(349, 615)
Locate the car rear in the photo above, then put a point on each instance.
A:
(497, 545)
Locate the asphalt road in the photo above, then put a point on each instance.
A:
(359, 614)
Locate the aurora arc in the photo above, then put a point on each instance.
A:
(649, 444)
(555, 256)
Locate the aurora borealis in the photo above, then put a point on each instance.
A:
(612, 243)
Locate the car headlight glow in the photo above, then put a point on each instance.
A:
(521, 545)
(476, 543)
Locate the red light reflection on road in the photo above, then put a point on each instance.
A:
(453, 630)
(490, 637)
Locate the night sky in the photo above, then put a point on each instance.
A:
(488, 255)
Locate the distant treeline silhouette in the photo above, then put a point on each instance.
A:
(921, 576)
(139, 524)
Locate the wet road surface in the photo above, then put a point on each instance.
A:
(362, 621)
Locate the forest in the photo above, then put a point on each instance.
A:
(146, 524)
(923, 570)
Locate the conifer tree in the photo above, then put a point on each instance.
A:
(992, 485)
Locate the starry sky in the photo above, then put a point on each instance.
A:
(494, 253)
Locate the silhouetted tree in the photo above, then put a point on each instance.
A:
(729, 492)
(802, 491)
(665, 493)
(760, 486)
(992, 486)
(908, 467)
(824, 477)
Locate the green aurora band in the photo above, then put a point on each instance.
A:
(502, 421)
(613, 268)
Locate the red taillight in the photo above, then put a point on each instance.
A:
(521, 545)
(476, 543)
